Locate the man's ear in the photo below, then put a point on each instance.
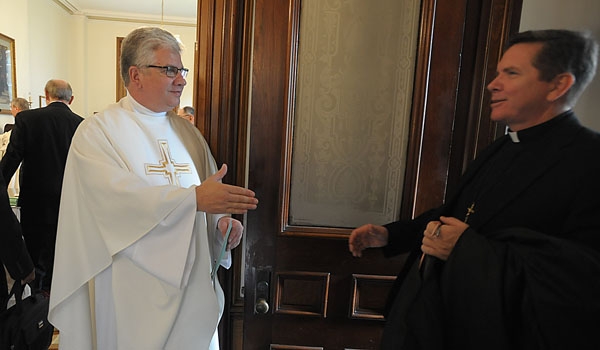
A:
(71, 100)
(134, 75)
(560, 86)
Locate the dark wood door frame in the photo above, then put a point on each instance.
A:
(222, 75)
(473, 31)
(465, 37)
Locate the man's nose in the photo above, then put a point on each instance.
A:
(493, 85)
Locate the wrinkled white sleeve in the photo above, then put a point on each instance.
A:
(167, 251)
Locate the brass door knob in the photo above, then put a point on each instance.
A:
(261, 306)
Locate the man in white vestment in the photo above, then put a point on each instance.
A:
(143, 217)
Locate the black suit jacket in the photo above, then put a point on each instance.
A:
(40, 142)
(13, 253)
(552, 189)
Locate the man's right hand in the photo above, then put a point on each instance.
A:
(215, 197)
(367, 236)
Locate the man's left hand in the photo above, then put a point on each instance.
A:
(237, 229)
(440, 237)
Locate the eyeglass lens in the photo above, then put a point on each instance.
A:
(172, 71)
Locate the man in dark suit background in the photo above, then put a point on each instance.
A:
(13, 253)
(40, 142)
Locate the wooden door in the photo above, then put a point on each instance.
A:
(298, 287)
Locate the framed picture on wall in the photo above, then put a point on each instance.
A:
(121, 91)
(8, 82)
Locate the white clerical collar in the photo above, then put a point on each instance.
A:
(139, 108)
(514, 136)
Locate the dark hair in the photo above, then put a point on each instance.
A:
(563, 51)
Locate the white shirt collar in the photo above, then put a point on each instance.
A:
(514, 136)
(139, 108)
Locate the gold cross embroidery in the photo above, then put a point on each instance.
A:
(167, 166)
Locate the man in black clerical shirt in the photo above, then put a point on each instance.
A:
(512, 260)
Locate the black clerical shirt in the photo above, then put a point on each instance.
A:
(501, 163)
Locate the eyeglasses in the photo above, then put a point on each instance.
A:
(171, 71)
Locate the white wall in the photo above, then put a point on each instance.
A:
(15, 26)
(100, 48)
(54, 47)
(574, 15)
(52, 43)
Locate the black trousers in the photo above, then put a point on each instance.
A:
(3, 290)
(39, 225)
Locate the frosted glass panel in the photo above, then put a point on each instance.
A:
(353, 99)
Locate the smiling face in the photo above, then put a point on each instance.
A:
(152, 87)
(518, 97)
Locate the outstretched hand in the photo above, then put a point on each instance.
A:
(215, 197)
(367, 236)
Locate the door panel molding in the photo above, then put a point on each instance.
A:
(369, 293)
(302, 293)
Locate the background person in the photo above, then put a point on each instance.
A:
(512, 259)
(16, 105)
(187, 113)
(39, 143)
(142, 217)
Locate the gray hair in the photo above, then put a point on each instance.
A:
(59, 90)
(20, 103)
(139, 46)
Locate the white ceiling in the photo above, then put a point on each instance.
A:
(154, 10)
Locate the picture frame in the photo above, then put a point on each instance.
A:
(42, 101)
(8, 79)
